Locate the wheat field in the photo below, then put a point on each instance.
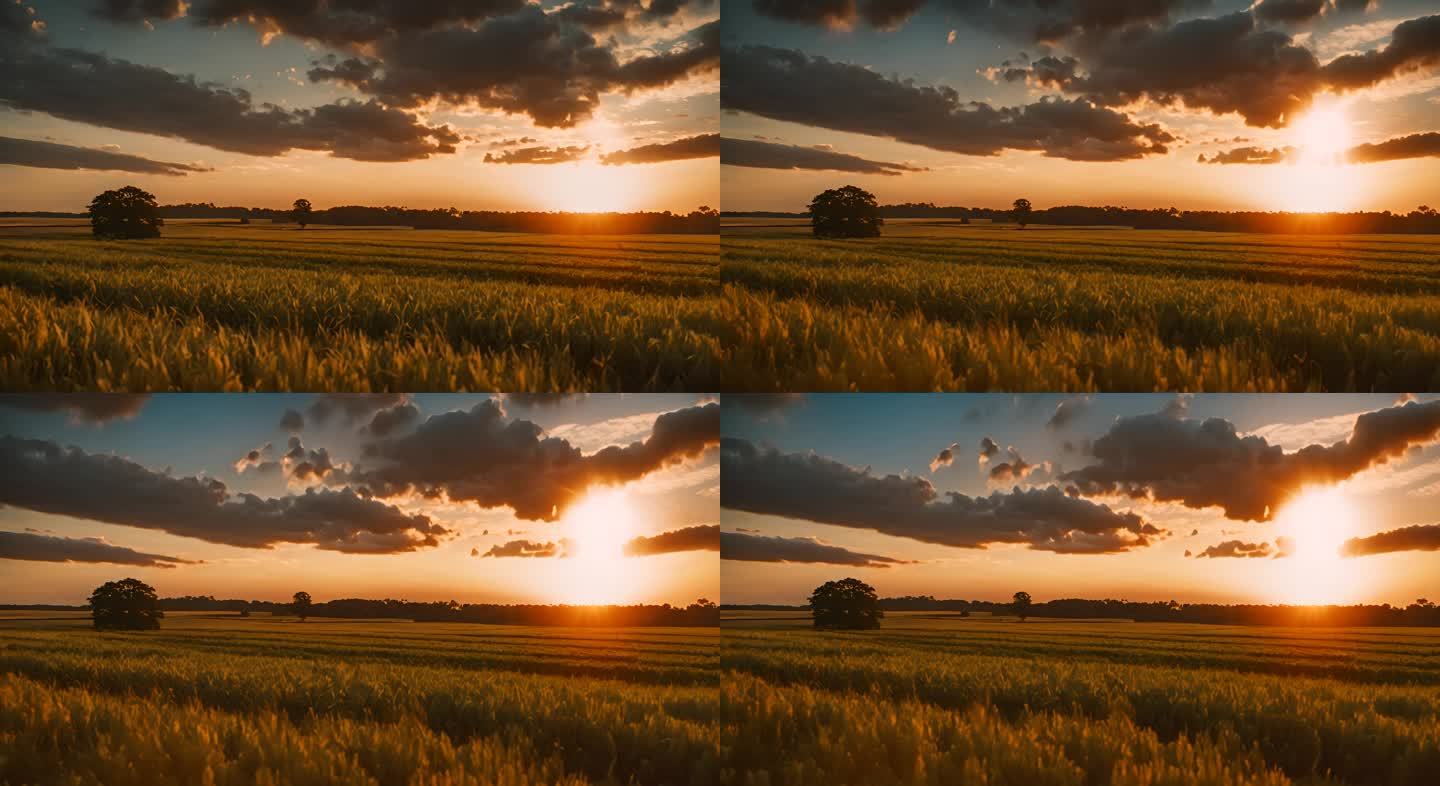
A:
(227, 700)
(219, 307)
(932, 698)
(935, 305)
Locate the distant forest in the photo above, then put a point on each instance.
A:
(702, 221)
(1420, 613)
(1423, 220)
(701, 613)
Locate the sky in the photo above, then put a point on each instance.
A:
(585, 105)
(605, 498)
(1293, 105)
(1210, 498)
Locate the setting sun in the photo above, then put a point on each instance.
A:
(596, 531)
(1310, 569)
(1317, 177)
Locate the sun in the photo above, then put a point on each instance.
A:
(1312, 529)
(595, 568)
(1316, 177)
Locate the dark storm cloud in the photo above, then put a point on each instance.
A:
(702, 146)
(89, 88)
(352, 407)
(705, 537)
(1411, 146)
(1414, 44)
(49, 155)
(1237, 548)
(526, 63)
(82, 407)
(479, 456)
(1249, 155)
(1066, 411)
(814, 488)
(1289, 11)
(538, 155)
(744, 547)
(389, 421)
(772, 155)
(1206, 463)
(50, 548)
(1420, 537)
(787, 85)
(46, 477)
(525, 548)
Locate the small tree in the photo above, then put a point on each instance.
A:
(848, 604)
(128, 604)
(845, 212)
(1021, 212)
(301, 605)
(302, 212)
(1022, 605)
(125, 213)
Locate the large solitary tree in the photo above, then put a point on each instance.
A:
(125, 213)
(845, 212)
(128, 604)
(1022, 605)
(302, 212)
(1022, 212)
(302, 605)
(848, 604)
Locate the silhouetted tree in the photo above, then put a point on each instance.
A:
(845, 212)
(302, 211)
(128, 604)
(1022, 605)
(848, 604)
(301, 605)
(125, 213)
(1021, 212)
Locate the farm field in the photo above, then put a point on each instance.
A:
(225, 700)
(935, 305)
(932, 698)
(211, 306)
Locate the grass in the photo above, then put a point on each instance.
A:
(933, 698)
(224, 700)
(217, 307)
(933, 305)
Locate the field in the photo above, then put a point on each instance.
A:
(214, 699)
(934, 305)
(212, 306)
(936, 699)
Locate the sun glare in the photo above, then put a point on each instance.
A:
(586, 186)
(1317, 178)
(1312, 529)
(596, 570)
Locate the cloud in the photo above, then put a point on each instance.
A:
(388, 421)
(538, 155)
(138, 11)
(791, 86)
(1016, 469)
(989, 449)
(772, 155)
(1207, 463)
(1289, 11)
(744, 547)
(1420, 537)
(260, 459)
(764, 404)
(1414, 44)
(882, 14)
(526, 548)
(352, 407)
(702, 146)
(1237, 548)
(1249, 155)
(814, 488)
(1411, 146)
(46, 477)
(292, 421)
(944, 458)
(1027, 20)
(1066, 411)
(478, 456)
(49, 548)
(704, 537)
(49, 155)
(526, 63)
(538, 400)
(93, 408)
